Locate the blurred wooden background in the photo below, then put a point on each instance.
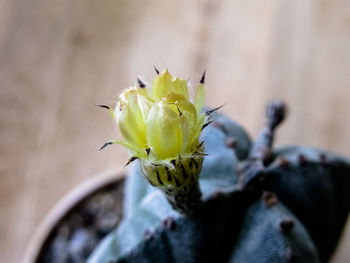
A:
(58, 57)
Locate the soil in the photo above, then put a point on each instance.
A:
(80, 231)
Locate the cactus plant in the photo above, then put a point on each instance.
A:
(247, 202)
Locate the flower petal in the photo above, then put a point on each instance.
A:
(129, 118)
(162, 84)
(180, 87)
(163, 131)
(188, 123)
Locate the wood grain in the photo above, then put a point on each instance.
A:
(58, 58)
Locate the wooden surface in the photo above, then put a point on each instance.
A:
(58, 57)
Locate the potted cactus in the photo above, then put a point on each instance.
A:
(199, 190)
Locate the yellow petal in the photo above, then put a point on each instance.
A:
(162, 84)
(197, 130)
(188, 122)
(141, 91)
(145, 105)
(163, 131)
(129, 119)
(165, 84)
(137, 152)
(180, 87)
(172, 97)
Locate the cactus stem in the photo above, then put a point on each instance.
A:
(192, 178)
(185, 199)
(269, 199)
(275, 114)
(251, 174)
(169, 223)
(286, 226)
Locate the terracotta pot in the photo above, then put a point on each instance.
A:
(66, 206)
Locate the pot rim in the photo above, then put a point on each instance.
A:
(64, 205)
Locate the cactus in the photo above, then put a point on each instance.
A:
(258, 204)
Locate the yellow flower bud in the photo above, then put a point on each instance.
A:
(162, 130)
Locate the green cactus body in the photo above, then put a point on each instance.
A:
(271, 233)
(259, 205)
(322, 199)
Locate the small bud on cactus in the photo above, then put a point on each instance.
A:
(161, 128)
